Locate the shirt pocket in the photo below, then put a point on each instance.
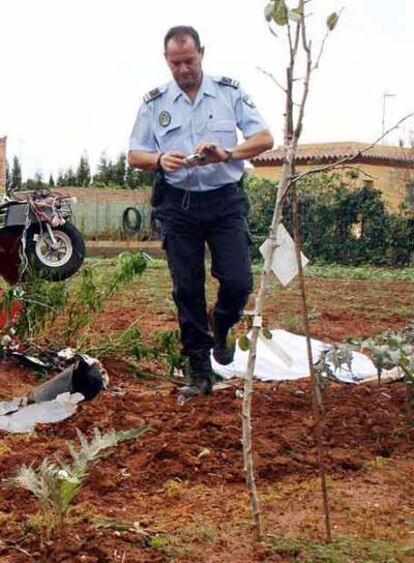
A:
(169, 137)
(223, 131)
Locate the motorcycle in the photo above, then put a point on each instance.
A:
(37, 230)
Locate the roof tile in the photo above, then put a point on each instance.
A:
(326, 152)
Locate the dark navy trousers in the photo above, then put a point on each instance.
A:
(189, 220)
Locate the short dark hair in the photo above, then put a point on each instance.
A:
(180, 32)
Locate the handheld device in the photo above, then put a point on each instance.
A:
(195, 157)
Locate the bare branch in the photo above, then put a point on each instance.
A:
(297, 36)
(307, 48)
(316, 65)
(272, 77)
(359, 170)
(328, 31)
(289, 34)
(347, 159)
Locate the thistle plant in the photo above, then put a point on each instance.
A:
(395, 349)
(333, 358)
(55, 484)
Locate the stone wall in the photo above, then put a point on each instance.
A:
(391, 180)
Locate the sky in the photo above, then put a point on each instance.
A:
(73, 73)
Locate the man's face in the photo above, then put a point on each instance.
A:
(184, 61)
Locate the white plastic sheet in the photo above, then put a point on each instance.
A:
(21, 419)
(293, 363)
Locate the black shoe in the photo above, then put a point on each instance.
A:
(200, 374)
(223, 351)
(197, 387)
(224, 343)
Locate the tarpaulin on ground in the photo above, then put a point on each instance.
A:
(284, 357)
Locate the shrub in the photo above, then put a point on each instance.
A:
(337, 224)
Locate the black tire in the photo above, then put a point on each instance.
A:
(131, 221)
(60, 264)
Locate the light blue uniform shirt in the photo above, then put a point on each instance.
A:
(168, 121)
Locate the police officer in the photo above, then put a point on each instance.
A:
(199, 115)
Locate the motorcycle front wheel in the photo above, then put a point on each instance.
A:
(55, 261)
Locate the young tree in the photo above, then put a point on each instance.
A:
(51, 182)
(293, 20)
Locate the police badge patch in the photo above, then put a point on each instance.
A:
(248, 101)
(164, 118)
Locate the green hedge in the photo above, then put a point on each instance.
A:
(338, 224)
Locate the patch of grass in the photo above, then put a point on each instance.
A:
(171, 547)
(201, 533)
(161, 543)
(342, 549)
(291, 322)
(178, 546)
(336, 271)
(359, 272)
(377, 463)
(174, 489)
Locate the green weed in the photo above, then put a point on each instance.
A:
(56, 484)
(342, 549)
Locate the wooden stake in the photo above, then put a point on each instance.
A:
(317, 402)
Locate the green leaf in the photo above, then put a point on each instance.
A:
(332, 20)
(295, 15)
(280, 12)
(268, 11)
(244, 343)
(266, 333)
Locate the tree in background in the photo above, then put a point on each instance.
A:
(34, 183)
(67, 178)
(8, 177)
(119, 171)
(104, 174)
(111, 173)
(60, 179)
(135, 179)
(16, 175)
(108, 173)
(83, 172)
(131, 178)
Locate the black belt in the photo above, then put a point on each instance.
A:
(178, 193)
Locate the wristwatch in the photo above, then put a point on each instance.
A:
(158, 167)
(229, 154)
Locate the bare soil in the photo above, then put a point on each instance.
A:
(183, 480)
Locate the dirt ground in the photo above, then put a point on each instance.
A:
(183, 480)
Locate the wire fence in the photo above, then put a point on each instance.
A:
(100, 214)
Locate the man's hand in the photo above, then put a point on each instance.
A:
(172, 161)
(213, 153)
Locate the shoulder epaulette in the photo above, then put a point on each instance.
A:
(153, 95)
(226, 81)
